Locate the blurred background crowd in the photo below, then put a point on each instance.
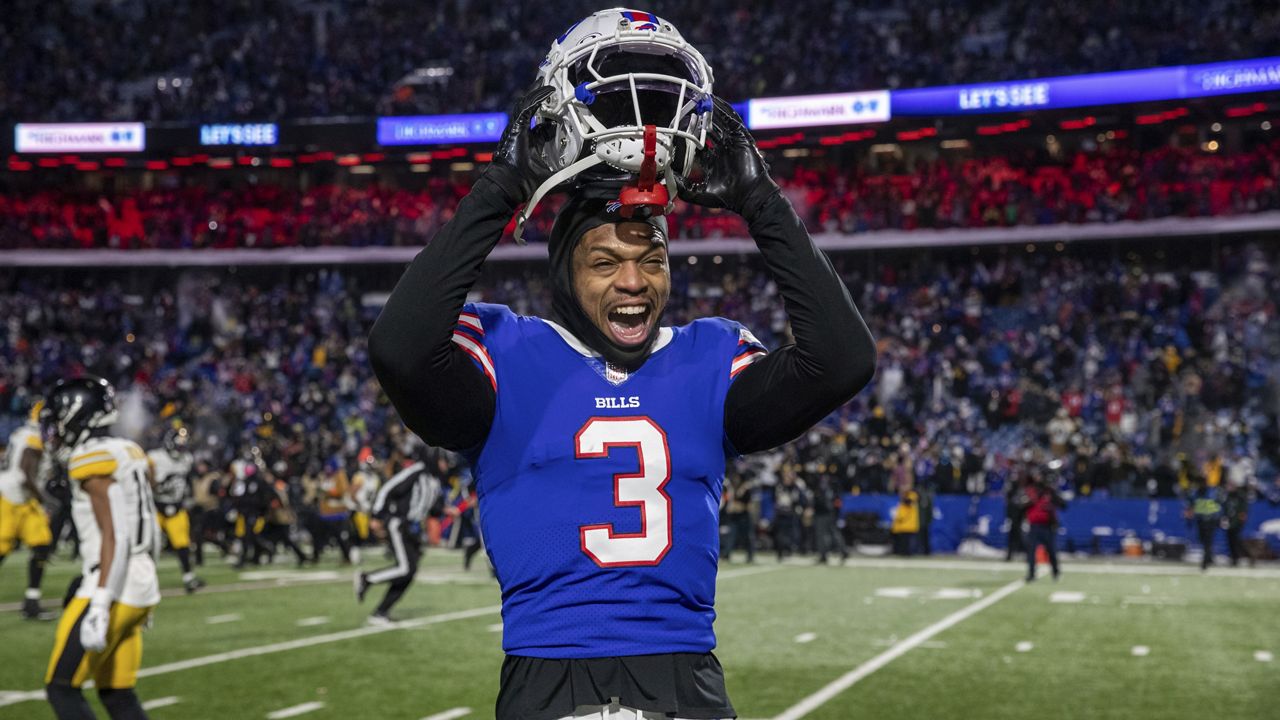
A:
(1140, 368)
(269, 59)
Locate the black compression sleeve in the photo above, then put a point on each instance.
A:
(783, 394)
(438, 392)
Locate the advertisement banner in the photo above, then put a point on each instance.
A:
(79, 137)
(1112, 88)
(441, 129)
(1240, 76)
(818, 110)
(239, 134)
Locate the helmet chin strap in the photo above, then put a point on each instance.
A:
(646, 198)
(563, 175)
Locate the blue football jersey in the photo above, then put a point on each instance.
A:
(600, 489)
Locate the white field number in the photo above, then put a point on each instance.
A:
(643, 490)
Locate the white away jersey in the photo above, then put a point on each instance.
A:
(12, 487)
(172, 478)
(124, 461)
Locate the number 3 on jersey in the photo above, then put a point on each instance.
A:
(597, 438)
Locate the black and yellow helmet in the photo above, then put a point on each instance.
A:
(78, 409)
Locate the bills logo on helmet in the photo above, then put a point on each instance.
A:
(641, 20)
(613, 206)
(565, 34)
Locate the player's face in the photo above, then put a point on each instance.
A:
(621, 279)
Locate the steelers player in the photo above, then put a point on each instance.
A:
(99, 636)
(363, 489)
(22, 517)
(173, 466)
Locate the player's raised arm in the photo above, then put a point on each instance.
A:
(438, 392)
(783, 394)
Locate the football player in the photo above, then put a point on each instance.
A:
(251, 494)
(173, 466)
(399, 510)
(22, 516)
(363, 489)
(99, 636)
(599, 440)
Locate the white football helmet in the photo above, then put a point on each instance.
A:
(613, 74)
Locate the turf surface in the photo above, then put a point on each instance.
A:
(787, 632)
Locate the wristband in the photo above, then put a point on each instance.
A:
(101, 598)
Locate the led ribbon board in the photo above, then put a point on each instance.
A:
(441, 129)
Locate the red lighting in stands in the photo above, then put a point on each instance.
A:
(114, 162)
(327, 155)
(917, 134)
(200, 158)
(19, 165)
(181, 162)
(483, 157)
(306, 159)
(1246, 110)
(349, 160)
(281, 163)
(1120, 134)
(852, 136)
(247, 160)
(1079, 124)
(70, 159)
(374, 157)
(157, 165)
(1165, 115)
(48, 162)
(220, 163)
(1008, 127)
(423, 157)
(86, 166)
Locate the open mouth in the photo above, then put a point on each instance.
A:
(629, 324)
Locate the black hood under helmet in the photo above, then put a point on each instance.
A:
(584, 211)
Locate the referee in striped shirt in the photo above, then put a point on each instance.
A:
(401, 505)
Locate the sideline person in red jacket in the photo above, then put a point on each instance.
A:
(1042, 507)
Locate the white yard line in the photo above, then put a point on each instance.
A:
(219, 589)
(13, 697)
(746, 571)
(160, 702)
(295, 711)
(223, 619)
(806, 637)
(316, 640)
(312, 621)
(450, 714)
(844, 682)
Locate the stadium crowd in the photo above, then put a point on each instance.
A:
(1137, 372)
(268, 59)
(1105, 185)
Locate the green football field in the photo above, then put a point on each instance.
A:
(878, 638)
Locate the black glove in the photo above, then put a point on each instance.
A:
(519, 164)
(735, 175)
